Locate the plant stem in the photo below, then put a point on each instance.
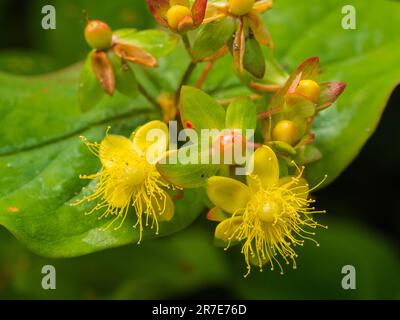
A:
(204, 74)
(185, 78)
(267, 114)
(147, 95)
(264, 87)
(187, 44)
(189, 69)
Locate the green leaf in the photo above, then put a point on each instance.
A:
(187, 175)
(159, 43)
(212, 37)
(125, 80)
(90, 91)
(201, 110)
(365, 58)
(39, 144)
(183, 264)
(241, 114)
(253, 60)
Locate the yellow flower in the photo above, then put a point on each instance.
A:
(129, 179)
(269, 215)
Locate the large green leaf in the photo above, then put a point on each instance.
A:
(41, 159)
(165, 269)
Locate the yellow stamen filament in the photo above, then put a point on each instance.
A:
(127, 180)
(275, 220)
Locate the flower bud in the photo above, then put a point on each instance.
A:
(286, 131)
(241, 7)
(230, 142)
(309, 89)
(98, 35)
(176, 14)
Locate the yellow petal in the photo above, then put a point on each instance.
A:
(299, 186)
(151, 140)
(114, 148)
(228, 194)
(164, 208)
(265, 169)
(260, 32)
(216, 11)
(225, 230)
(262, 6)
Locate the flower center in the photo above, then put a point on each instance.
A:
(269, 211)
(135, 175)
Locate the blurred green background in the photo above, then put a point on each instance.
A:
(363, 206)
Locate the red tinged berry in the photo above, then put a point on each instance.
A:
(98, 35)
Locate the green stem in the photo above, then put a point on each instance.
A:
(147, 95)
(187, 44)
(189, 69)
(185, 78)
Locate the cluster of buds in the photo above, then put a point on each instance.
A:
(292, 110)
(248, 38)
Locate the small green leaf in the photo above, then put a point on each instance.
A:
(201, 110)
(186, 175)
(90, 91)
(159, 43)
(299, 106)
(280, 146)
(212, 37)
(241, 114)
(308, 154)
(253, 60)
(125, 80)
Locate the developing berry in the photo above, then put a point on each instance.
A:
(286, 131)
(98, 35)
(309, 89)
